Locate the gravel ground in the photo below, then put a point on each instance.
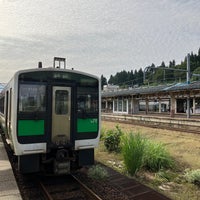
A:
(103, 188)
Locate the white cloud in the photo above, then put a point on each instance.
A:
(100, 37)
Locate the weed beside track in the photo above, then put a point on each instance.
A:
(183, 147)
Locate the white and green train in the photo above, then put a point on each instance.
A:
(51, 118)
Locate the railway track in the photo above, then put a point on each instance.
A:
(36, 186)
(81, 187)
(67, 187)
(175, 124)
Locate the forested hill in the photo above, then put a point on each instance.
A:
(155, 75)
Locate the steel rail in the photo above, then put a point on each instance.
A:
(87, 189)
(45, 192)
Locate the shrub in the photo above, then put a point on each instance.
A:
(193, 176)
(112, 139)
(133, 151)
(156, 157)
(97, 172)
(165, 175)
(103, 133)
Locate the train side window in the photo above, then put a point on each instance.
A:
(61, 102)
(2, 101)
(87, 100)
(6, 113)
(32, 98)
(10, 105)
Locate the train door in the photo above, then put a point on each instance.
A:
(61, 114)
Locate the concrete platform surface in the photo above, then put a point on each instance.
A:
(8, 186)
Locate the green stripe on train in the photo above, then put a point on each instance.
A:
(87, 125)
(30, 127)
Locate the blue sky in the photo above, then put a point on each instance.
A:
(98, 37)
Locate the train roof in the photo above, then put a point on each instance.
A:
(56, 70)
(49, 69)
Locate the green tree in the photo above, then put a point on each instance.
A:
(103, 81)
(170, 72)
(181, 75)
(149, 73)
(140, 77)
(163, 64)
(196, 73)
(111, 80)
(157, 74)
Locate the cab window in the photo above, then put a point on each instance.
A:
(32, 98)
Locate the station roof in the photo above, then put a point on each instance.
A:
(152, 89)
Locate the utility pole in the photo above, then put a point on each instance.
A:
(188, 68)
(188, 74)
(188, 82)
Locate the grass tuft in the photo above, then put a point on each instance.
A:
(97, 172)
(157, 157)
(193, 176)
(133, 150)
(139, 152)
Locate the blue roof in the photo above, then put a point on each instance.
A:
(152, 89)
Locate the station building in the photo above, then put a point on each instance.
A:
(169, 99)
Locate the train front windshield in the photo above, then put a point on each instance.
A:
(32, 98)
(34, 103)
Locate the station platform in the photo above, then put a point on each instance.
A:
(178, 122)
(8, 186)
